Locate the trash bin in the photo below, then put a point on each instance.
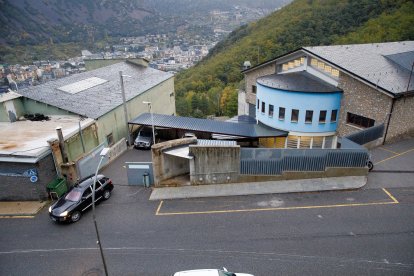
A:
(146, 180)
(57, 188)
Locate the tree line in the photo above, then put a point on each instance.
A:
(210, 87)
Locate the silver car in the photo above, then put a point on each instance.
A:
(144, 138)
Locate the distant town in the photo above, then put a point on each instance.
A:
(166, 52)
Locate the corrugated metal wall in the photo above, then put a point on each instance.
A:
(276, 161)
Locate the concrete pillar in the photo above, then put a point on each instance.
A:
(62, 144)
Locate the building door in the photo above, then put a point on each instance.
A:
(140, 173)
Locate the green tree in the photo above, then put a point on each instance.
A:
(228, 101)
(301, 23)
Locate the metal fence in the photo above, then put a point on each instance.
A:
(86, 165)
(367, 135)
(276, 161)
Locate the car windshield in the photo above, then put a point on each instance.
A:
(74, 195)
(145, 133)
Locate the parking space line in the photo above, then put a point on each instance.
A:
(399, 154)
(388, 150)
(390, 195)
(394, 201)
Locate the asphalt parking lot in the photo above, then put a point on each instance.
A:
(367, 231)
(393, 168)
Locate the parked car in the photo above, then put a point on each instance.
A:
(71, 205)
(144, 138)
(209, 272)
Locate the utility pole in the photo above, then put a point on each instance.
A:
(121, 76)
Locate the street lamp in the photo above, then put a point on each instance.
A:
(121, 76)
(152, 119)
(103, 154)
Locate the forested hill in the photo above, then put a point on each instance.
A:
(210, 87)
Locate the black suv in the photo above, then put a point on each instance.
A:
(70, 206)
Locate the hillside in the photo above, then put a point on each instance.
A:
(210, 87)
(32, 22)
(36, 21)
(57, 29)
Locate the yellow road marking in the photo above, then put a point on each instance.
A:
(159, 208)
(390, 195)
(394, 201)
(399, 154)
(389, 150)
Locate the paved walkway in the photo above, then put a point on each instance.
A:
(21, 208)
(256, 188)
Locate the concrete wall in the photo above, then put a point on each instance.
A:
(32, 107)
(214, 164)
(73, 145)
(18, 107)
(165, 166)
(15, 188)
(221, 165)
(330, 172)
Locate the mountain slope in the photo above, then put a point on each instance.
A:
(36, 21)
(302, 23)
(31, 22)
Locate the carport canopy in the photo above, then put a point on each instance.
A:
(206, 125)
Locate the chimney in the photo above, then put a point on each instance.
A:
(62, 144)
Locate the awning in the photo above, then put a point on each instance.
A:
(209, 126)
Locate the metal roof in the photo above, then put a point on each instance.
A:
(94, 102)
(215, 143)
(184, 151)
(205, 125)
(405, 60)
(299, 81)
(374, 62)
(4, 97)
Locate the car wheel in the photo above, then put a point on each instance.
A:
(106, 194)
(370, 165)
(75, 216)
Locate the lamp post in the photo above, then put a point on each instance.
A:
(121, 76)
(103, 154)
(152, 119)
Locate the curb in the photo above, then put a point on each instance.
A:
(257, 188)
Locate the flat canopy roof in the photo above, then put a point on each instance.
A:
(298, 81)
(209, 126)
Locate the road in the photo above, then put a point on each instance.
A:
(364, 232)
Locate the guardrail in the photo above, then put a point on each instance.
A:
(367, 135)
